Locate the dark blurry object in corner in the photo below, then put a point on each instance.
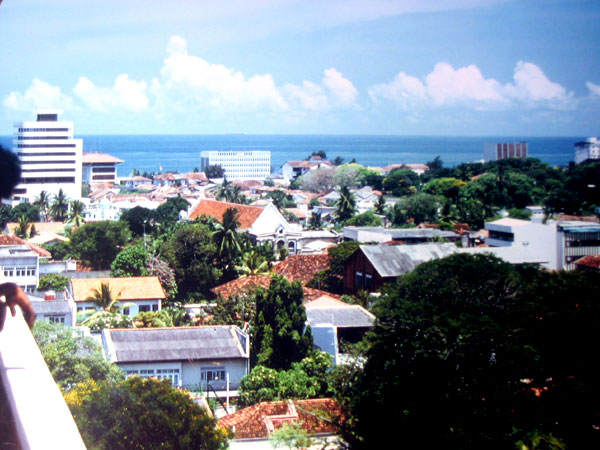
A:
(10, 171)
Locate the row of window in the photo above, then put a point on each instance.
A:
(103, 177)
(48, 162)
(48, 180)
(103, 169)
(161, 374)
(46, 145)
(363, 282)
(47, 154)
(47, 170)
(27, 138)
(20, 272)
(41, 130)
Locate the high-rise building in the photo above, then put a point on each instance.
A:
(588, 149)
(50, 157)
(239, 165)
(495, 152)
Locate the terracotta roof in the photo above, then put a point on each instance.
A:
(91, 158)
(212, 208)
(41, 227)
(247, 284)
(128, 288)
(258, 421)
(567, 217)
(199, 176)
(591, 261)
(6, 239)
(302, 267)
(392, 167)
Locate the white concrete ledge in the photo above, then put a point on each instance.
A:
(42, 418)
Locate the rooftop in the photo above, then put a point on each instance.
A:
(302, 267)
(10, 240)
(127, 288)
(212, 208)
(97, 158)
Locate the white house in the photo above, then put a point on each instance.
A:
(588, 149)
(293, 169)
(143, 294)
(19, 262)
(190, 357)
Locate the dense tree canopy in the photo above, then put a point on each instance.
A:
(470, 352)
(139, 413)
(98, 243)
(131, 262)
(71, 357)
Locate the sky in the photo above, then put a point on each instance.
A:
(394, 67)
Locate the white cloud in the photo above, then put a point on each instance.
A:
(342, 90)
(594, 88)
(125, 94)
(38, 95)
(467, 87)
(309, 96)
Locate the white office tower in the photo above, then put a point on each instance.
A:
(243, 165)
(588, 149)
(498, 151)
(50, 157)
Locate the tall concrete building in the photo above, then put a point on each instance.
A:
(239, 165)
(497, 151)
(50, 157)
(588, 149)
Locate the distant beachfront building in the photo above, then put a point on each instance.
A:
(50, 157)
(99, 168)
(239, 165)
(588, 149)
(495, 152)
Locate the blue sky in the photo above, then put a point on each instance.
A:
(413, 67)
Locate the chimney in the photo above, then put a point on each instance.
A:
(49, 295)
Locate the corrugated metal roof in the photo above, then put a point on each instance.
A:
(175, 344)
(392, 261)
(352, 316)
(51, 307)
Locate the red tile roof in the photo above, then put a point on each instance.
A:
(302, 267)
(591, 261)
(91, 158)
(212, 208)
(127, 288)
(257, 421)
(6, 239)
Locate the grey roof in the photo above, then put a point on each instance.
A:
(395, 260)
(408, 233)
(174, 344)
(351, 316)
(52, 307)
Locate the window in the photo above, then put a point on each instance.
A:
(8, 272)
(126, 311)
(358, 279)
(168, 374)
(209, 375)
(56, 319)
(368, 281)
(31, 271)
(144, 308)
(154, 307)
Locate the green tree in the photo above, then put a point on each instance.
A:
(61, 250)
(140, 220)
(168, 212)
(315, 222)
(279, 334)
(226, 237)
(139, 413)
(22, 229)
(53, 281)
(291, 435)
(345, 207)
(5, 215)
(253, 263)
(98, 243)
(191, 252)
(130, 262)
(214, 171)
(43, 202)
(105, 298)
(31, 211)
(76, 211)
(60, 206)
(401, 182)
(166, 275)
(366, 219)
(72, 357)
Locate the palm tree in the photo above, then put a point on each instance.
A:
(316, 221)
(253, 264)
(104, 298)
(345, 207)
(60, 206)
(76, 213)
(43, 201)
(226, 236)
(223, 191)
(21, 230)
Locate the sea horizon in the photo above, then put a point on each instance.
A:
(181, 152)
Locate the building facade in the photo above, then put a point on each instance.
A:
(497, 151)
(99, 168)
(51, 159)
(588, 149)
(239, 165)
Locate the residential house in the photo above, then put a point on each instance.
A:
(333, 323)
(20, 261)
(192, 358)
(54, 308)
(291, 170)
(141, 293)
(419, 169)
(99, 168)
(398, 235)
(371, 266)
(253, 425)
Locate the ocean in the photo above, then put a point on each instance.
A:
(150, 153)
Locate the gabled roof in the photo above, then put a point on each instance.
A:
(329, 311)
(589, 261)
(8, 240)
(52, 307)
(302, 267)
(97, 158)
(127, 288)
(317, 416)
(212, 208)
(175, 344)
(395, 260)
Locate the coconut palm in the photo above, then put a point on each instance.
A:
(226, 236)
(345, 207)
(21, 230)
(253, 264)
(43, 202)
(104, 298)
(76, 213)
(60, 206)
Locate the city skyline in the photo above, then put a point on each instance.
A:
(465, 67)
